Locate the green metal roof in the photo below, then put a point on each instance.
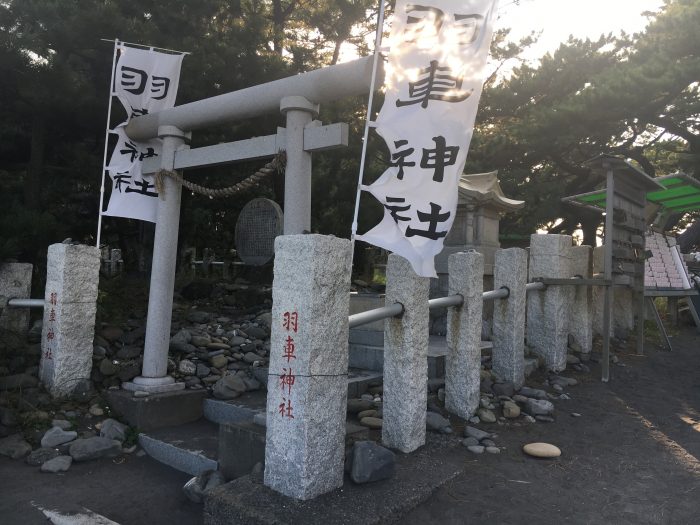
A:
(681, 193)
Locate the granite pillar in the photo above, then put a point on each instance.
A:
(463, 360)
(405, 358)
(581, 318)
(15, 283)
(72, 277)
(548, 309)
(508, 354)
(307, 388)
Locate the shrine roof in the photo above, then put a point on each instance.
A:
(678, 193)
(484, 188)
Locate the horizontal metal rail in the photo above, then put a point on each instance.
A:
(572, 281)
(377, 314)
(501, 293)
(397, 309)
(529, 287)
(444, 302)
(25, 303)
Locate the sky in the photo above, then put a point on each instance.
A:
(557, 19)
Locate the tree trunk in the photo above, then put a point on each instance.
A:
(35, 167)
(589, 226)
(277, 26)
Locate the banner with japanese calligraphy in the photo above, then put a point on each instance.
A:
(145, 81)
(433, 80)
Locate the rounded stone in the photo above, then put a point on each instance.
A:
(108, 368)
(510, 409)
(218, 361)
(187, 367)
(371, 422)
(486, 415)
(542, 450)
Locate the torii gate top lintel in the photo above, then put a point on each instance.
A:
(317, 86)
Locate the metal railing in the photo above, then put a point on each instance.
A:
(25, 303)
(396, 309)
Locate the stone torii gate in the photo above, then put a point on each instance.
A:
(298, 98)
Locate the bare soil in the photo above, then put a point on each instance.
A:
(633, 456)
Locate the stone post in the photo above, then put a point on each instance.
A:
(510, 271)
(72, 276)
(548, 309)
(297, 181)
(15, 283)
(154, 376)
(581, 316)
(405, 358)
(307, 388)
(463, 360)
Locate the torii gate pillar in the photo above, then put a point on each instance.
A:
(297, 180)
(154, 376)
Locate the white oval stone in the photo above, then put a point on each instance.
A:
(542, 450)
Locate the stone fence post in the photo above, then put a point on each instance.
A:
(307, 388)
(510, 271)
(581, 315)
(405, 358)
(548, 309)
(463, 360)
(15, 282)
(72, 276)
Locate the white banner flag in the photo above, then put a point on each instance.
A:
(145, 81)
(434, 77)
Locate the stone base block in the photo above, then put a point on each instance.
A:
(241, 446)
(157, 410)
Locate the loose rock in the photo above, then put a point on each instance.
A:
(510, 410)
(41, 456)
(539, 407)
(57, 464)
(93, 448)
(56, 436)
(371, 422)
(371, 462)
(113, 429)
(14, 446)
(542, 450)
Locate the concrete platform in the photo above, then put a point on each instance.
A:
(418, 475)
(157, 410)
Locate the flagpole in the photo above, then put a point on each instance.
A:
(368, 124)
(131, 44)
(104, 156)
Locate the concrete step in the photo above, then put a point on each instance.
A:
(191, 448)
(371, 357)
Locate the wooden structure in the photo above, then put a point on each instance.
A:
(623, 200)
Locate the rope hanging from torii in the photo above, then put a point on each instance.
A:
(277, 165)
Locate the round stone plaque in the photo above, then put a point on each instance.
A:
(259, 222)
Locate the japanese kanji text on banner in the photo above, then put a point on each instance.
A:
(434, 77)
(145, 81)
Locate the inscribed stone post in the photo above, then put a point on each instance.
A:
(405, 358)
(307, 388)
(581, 319)
(508, 355)
(72, 277)
(463, 360)
(15, 282)
(548, 309)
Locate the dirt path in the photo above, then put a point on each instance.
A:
(632, 457)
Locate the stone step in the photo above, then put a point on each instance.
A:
(371, 357)
(244, 409)
(191, 448)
